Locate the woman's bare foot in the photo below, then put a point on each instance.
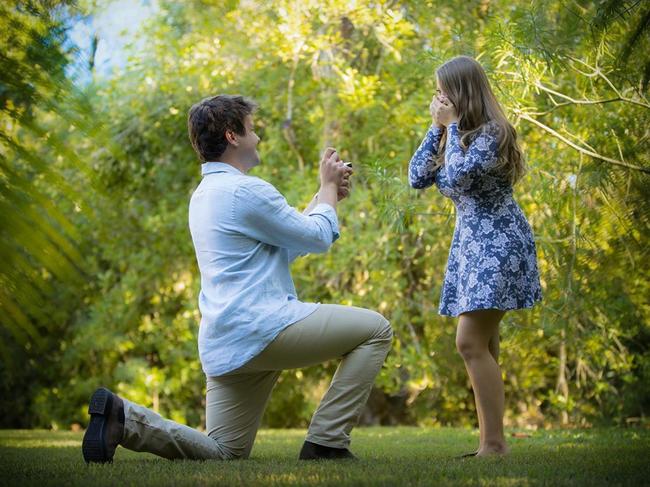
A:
(495, 449)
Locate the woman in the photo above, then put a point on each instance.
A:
(471, 154)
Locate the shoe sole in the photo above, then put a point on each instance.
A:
(94, 442)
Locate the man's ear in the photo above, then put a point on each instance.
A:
(231, 138)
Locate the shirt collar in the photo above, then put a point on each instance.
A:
(216, 167)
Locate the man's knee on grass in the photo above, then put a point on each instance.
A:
(235, 449)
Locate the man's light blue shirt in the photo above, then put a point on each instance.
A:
(245, 236)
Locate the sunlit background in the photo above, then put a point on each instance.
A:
(98, 284)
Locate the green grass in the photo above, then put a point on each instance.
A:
(388, 456)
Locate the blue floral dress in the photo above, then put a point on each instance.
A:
(492, 261)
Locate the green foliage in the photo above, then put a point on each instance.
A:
(360, 78)
(42, 275)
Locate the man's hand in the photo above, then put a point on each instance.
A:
(334, 178)
(333, 170)
(344, 188)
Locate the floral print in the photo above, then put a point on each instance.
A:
(492, 261)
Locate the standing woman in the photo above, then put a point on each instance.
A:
(471, 154)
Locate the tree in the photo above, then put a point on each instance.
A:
(361, 77)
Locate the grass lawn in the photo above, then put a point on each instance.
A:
(387, 456)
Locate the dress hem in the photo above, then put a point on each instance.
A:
(486, 307)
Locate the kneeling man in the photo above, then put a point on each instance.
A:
(252, 324)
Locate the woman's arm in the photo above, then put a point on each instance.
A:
(481, 156)
(421, 172)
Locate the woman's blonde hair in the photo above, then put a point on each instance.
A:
(464, 82)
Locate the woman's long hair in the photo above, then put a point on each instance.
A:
(464, 82)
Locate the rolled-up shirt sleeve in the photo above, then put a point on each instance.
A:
(265, 215)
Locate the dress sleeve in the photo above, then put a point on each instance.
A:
(421, 172)
(265, 215)
(481, 156)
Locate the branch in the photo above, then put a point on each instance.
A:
(582, 150)
(572, 101)
(578, 102)
(597, 72)
(287, 128)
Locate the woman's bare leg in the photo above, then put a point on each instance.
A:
(495, 345)
(477, 343)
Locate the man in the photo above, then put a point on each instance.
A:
(253, 326)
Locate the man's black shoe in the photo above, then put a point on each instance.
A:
(312, 451)
(106, 428)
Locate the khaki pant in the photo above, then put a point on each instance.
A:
(236, 401)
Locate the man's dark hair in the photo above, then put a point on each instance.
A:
(209, 119)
